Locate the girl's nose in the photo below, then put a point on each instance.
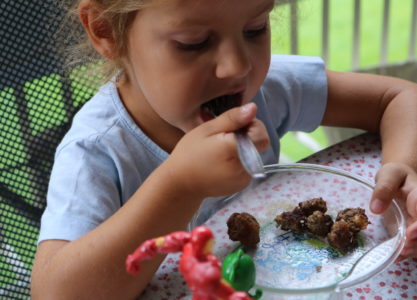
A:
(233, 61)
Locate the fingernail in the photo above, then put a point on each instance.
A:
(245, 109)
(377, 205)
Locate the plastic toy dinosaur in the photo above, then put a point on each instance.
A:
(239, 270)
(199, 267)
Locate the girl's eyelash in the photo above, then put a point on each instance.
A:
(252, 33)
(192, 47)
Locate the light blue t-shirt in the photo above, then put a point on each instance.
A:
(105, 156)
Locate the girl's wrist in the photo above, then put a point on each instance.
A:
(179, 182)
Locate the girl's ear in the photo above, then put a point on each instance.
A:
(98, 29)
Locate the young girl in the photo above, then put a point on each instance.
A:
(145, 151)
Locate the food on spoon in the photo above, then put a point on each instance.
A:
(243, 227)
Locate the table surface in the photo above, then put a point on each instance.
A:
(360, 155)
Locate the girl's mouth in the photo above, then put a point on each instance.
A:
(219, 105)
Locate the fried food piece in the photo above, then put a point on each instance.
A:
(296, 220)
(319, 224)
(341, 237)
(310, 216)
(312, 205)
(292, 220)
(355, 217)
(243, 227)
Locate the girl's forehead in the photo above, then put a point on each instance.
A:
(184, 14)
(199, 10)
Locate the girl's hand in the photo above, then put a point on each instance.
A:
(205, 161)
(399, 181)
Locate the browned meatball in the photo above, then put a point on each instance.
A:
(243, 227)
(312, 205)
(355, 217)
(310, 216)
(294, 221)
(319, 223)
(341, 237)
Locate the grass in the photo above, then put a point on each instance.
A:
(341, 31)
(340, 42)
(293, 150)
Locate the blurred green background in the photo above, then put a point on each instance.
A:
(341, 14)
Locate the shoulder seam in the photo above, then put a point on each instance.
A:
(94, 137)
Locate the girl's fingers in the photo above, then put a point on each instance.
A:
(232, 120)
(411, 232)
(238, 118)
(410, 250)
(258, 134)
(389, 180)
(412, 205)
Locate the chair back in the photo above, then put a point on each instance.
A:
(38, 99)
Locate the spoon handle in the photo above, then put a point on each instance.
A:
(249, 155)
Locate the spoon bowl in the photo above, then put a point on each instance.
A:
(249, 156)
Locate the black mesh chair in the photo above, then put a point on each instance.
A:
(38, 99)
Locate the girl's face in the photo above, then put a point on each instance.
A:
(182, 54)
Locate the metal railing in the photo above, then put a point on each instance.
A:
(356, 23)
(406, 68)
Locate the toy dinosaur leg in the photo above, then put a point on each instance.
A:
(169, 243)
(146, 250)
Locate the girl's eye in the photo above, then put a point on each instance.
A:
(252, 33)
(192, 46)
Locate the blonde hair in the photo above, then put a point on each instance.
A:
(78, 49)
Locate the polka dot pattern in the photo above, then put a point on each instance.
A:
(360, 155)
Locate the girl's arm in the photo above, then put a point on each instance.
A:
(92, 267)
(378, 104)
(389, 106)
(204, 163)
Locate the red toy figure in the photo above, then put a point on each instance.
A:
(199, 267)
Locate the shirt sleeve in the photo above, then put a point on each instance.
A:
(83, 191)
(295, 92)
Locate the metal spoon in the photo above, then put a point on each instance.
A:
(248, 154)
